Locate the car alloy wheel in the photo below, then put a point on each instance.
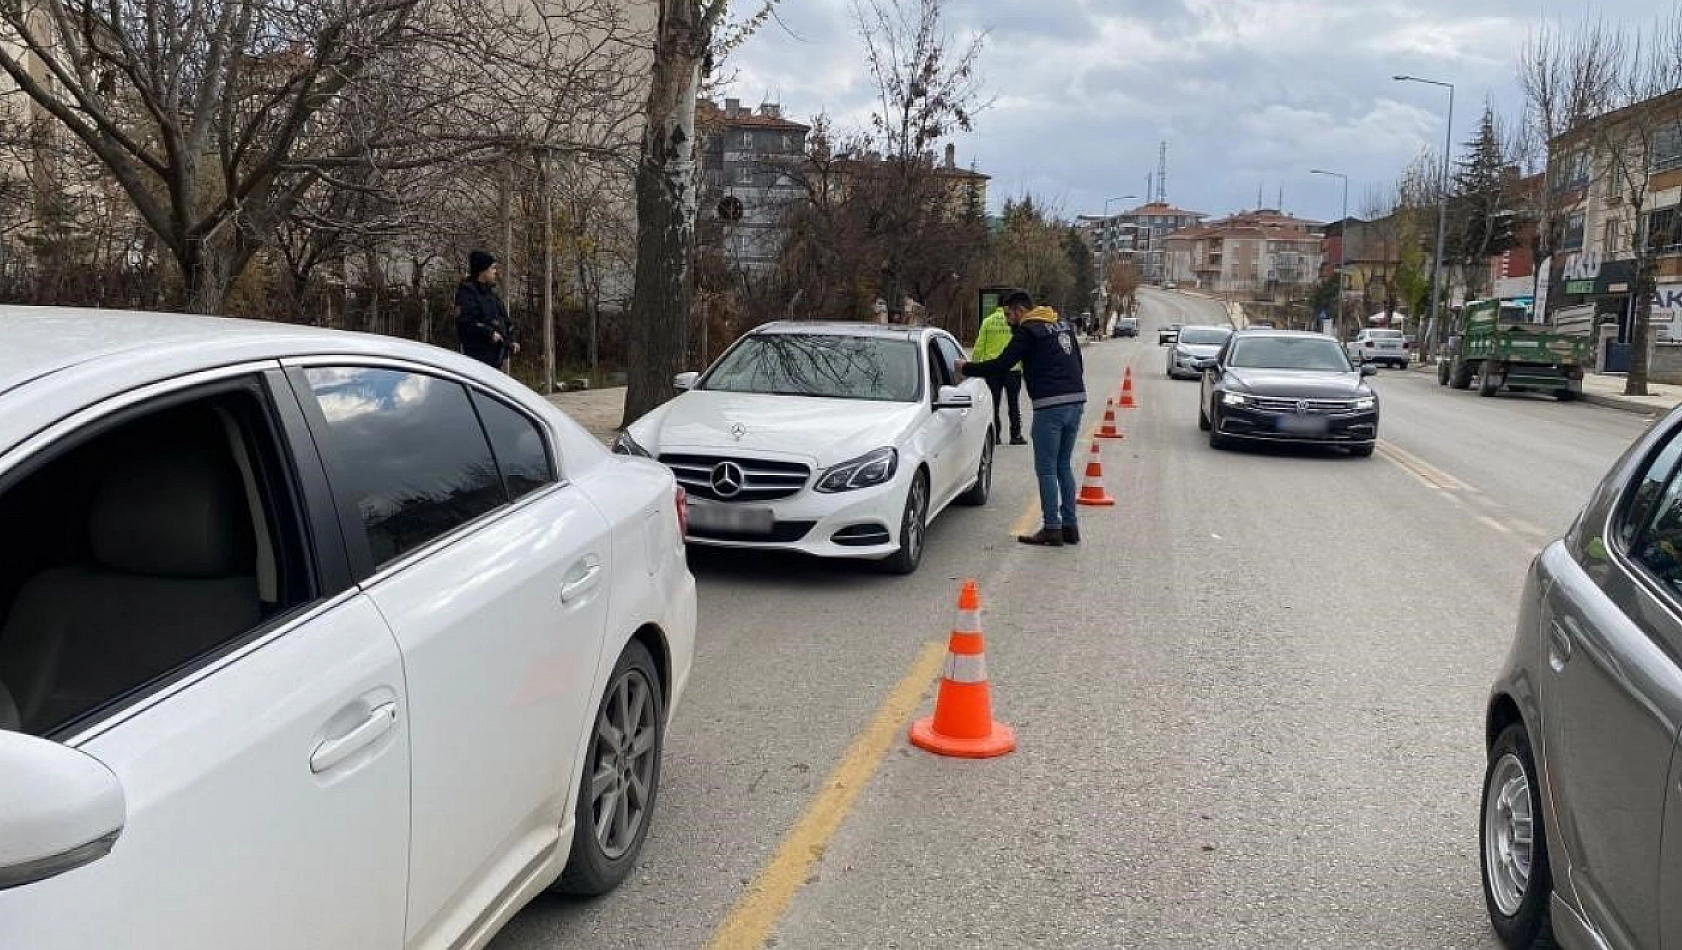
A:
(1517, 880)
(912, 529)
(621, 777)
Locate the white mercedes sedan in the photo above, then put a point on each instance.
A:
(832, 439)
(315, 639)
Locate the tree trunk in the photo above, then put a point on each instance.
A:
(660, 302)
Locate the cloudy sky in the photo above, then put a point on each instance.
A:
(1247, 93)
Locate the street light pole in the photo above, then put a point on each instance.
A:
(1442, 209)
(1342, 239)
(1109, 242)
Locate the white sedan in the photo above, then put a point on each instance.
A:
(314, 639)
(833, 439)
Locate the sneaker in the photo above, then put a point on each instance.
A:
(1071, 534)
(1045, 537)
(1018, 440)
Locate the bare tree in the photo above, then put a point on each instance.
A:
(1615, 97)
(217, 119)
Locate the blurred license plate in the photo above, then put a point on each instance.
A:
(742, 519)
(1302, 425)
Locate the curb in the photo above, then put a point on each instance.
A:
(1605, 401)
(1624, 404)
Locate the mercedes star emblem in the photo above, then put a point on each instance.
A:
(738, 430)
(728, 479)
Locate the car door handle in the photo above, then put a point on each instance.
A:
(333, 751)
(1560, 645)
(586, 576)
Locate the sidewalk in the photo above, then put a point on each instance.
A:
(597, 410)
(1608, 391)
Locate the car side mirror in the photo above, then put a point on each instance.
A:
(1205, 364)
(60, 809)
(685, 380)
(1368, 369)
(953, 397)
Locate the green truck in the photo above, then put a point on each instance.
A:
(1496, 344)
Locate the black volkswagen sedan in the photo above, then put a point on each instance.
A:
(1287, 386)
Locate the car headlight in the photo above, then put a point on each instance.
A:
(863, 472)
(1234, 399)
(625, 445)
(1366, 402)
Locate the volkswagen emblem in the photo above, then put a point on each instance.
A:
(1302, 405)
(728, 479)
(737, 431)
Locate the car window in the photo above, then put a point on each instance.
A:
(952, 353)
(1649, 492)
(129, 558)
(942, 370)
(823, 365)
(409, 452)
(1658, 547)
(1204, 336)
(1283, 352)
(522, 454)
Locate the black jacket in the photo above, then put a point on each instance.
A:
(479, 314)
(1049, 351)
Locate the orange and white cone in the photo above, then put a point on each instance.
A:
(1109, 430)
(1092, 489)
(962, 724)
(1127, 390)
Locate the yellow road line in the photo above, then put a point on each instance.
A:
(1421, 469)
(757, 911)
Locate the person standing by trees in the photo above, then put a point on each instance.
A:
(482, 323)
(991, 340)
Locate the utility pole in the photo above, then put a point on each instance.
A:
(1442, 214)
(1342, 240)
(547, 203)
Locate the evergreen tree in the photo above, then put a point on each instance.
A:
(1481, 216)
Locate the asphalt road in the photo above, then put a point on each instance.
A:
(1248, 707)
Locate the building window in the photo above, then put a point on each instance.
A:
(1614, 231)
(1667, 148)
(744, 176)
(1664, 230)
(1571, 172)
(747, 140)
(1573, 238)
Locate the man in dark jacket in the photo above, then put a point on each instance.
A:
(1049, 350)
(482, 322)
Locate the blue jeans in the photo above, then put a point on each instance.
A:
(1056, 429)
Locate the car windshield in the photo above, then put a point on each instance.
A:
(1204, 336)
(826, 365)
(1289, 352)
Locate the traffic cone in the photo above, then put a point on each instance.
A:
(962, 724)
(1108, 430)
(1127, 390)
(1092, 490)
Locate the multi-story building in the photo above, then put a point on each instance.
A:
(1260, 254)
(746, 185)
(1137, 235)
(1596, 173)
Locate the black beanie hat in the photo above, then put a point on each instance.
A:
(478, 262)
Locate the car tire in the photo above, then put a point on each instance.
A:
(1202, 417)
(1363, 451)
(1402, 365)
(632, 707)
(1461, 377)
(1442, 373)
(1566, 395)
(1517, 888)
(1487, 384)
(913, 528)
(978, 493)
